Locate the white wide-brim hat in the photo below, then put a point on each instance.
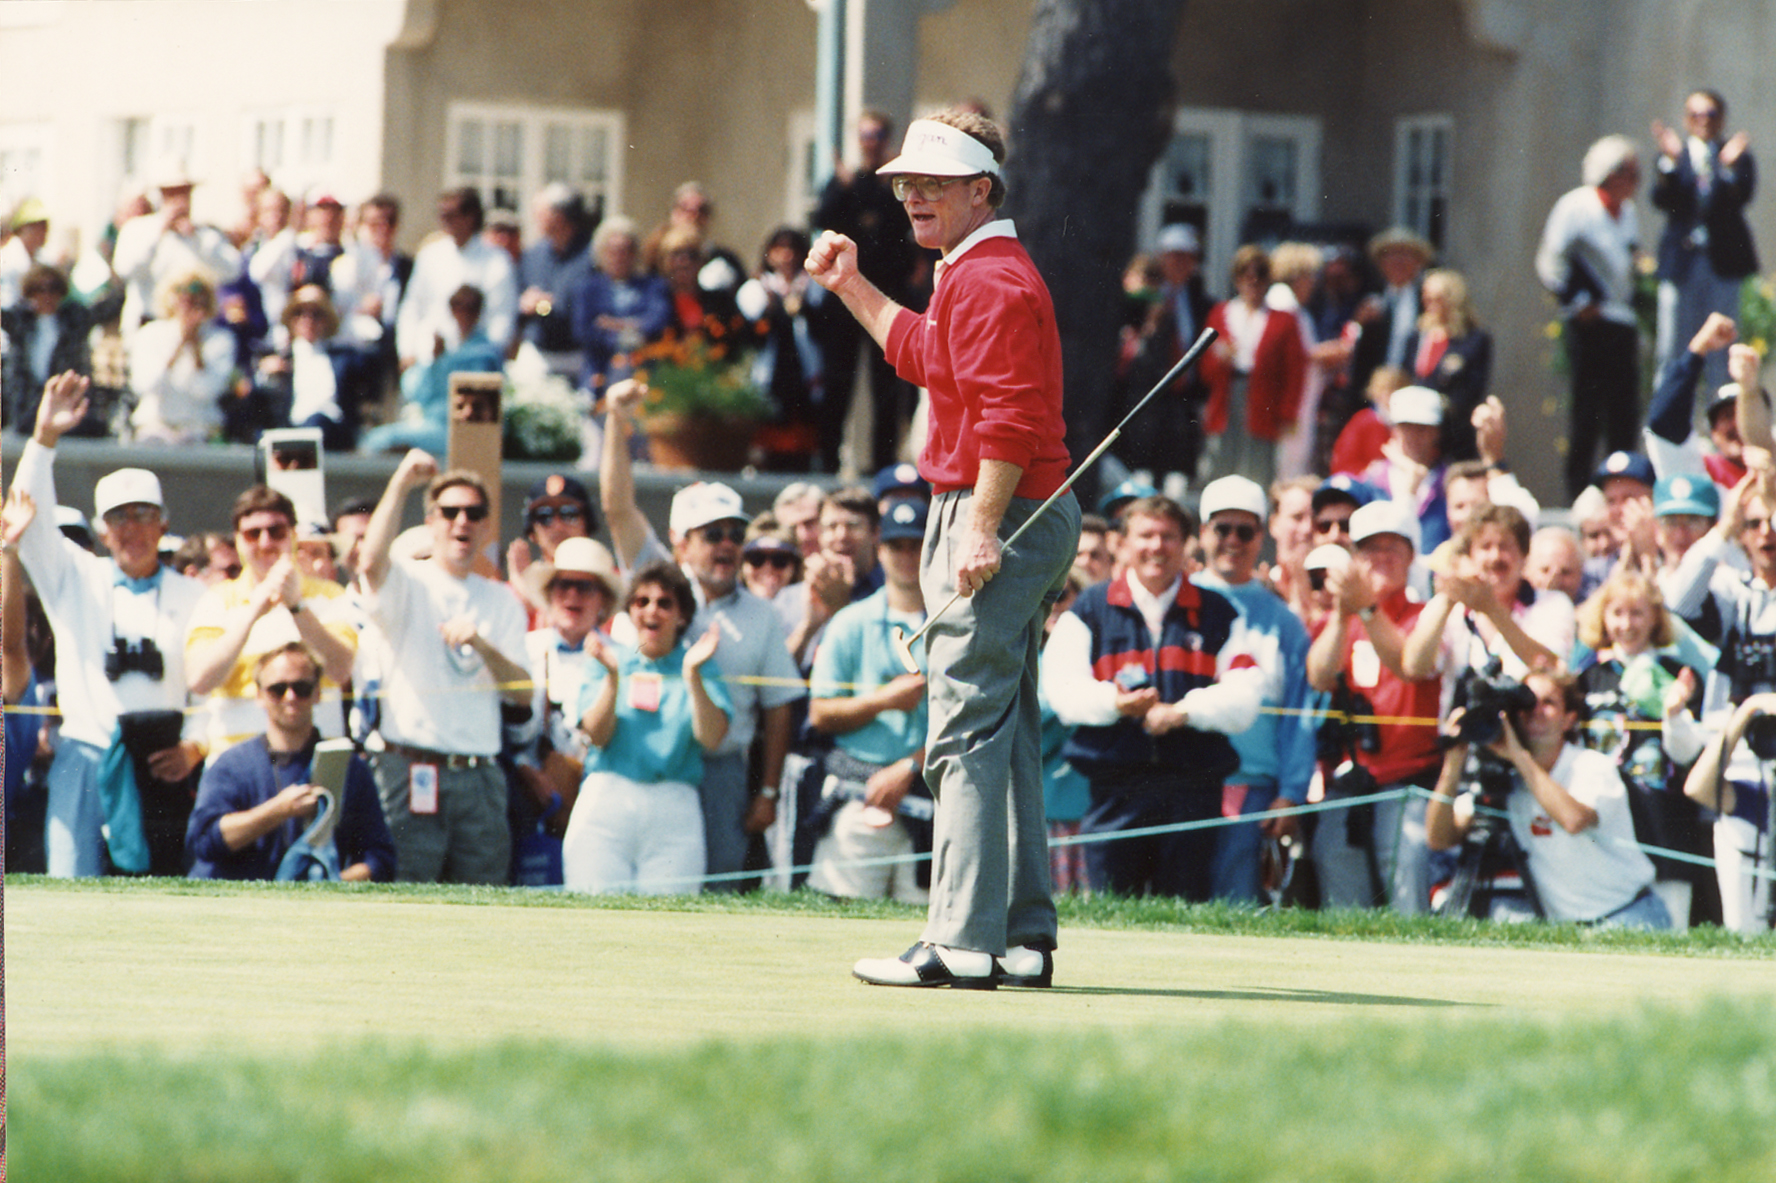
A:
(934, 149)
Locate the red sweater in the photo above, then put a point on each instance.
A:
(1275, 386)
(988, 351)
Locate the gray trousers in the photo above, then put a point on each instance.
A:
(468, 840)
(983, 755)
(725, 802)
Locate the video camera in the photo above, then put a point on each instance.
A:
(1487, 696)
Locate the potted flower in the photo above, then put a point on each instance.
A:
(702, 408)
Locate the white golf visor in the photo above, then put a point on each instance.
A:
(934, 149)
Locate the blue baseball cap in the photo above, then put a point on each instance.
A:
(1121, 495)
(1344, 487)
(1689, 494)
(904, 519)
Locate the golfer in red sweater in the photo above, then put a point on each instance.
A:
(989, 353)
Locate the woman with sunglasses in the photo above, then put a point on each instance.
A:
(770, 561)
(270, 603)
(649, 715)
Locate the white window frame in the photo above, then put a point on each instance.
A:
(26, 154)
(298, 163)
(801, 181)
(1406, 193)
(531, 175)
(1230, 133)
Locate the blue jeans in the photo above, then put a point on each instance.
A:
(73, 835)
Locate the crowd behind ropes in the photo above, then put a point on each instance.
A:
(1318, 648)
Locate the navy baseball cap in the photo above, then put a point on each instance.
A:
(904, 519)
(1121, 495)
(1632, 465)
(900, 480)
(1344, 487)
(560, 485)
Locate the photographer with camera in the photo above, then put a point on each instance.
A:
(1566, 805)
(118, 784)
(1375, 855)
(1729, 774)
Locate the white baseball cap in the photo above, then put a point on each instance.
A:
(1416, 404)
(1386, 517)
(936, 149)
(1180, 237)
(702, 503)
(1330, 557)
(1233, 492)
(126, 486)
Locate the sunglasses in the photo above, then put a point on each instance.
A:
(304, 688)
(716, 535)
(268, 533)
(139, 514)
(475, 513)
(542, 515)
(929, 188)
(1328, 525)
(1244, 531)
(584, 586)
(665, 603)
(776, 559)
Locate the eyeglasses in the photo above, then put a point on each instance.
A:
(584, 587)
(304, 688)
(666, 603)
(1753, 525)
(716, 535)
(300, 313)
(1244, 531)
(776, 559)
(928, 188)
(1702, 112)
(1328, 525)
(542, 515)
(474, 513)
(139, 514)
(268, 533)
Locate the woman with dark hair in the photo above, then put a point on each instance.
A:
(1256, 373)
(49, 334)
(649, 715)
(789, 314)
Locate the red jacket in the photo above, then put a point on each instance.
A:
(1278, 378)
(990, 354)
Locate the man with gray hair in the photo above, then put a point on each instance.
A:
(1586, 259)
(552, 267)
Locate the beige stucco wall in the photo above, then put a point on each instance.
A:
(705, 86)
(83, 66)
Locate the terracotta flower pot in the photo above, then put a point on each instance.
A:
(705, 443)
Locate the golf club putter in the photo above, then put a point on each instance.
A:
(903, 642)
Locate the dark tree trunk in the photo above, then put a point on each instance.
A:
(1091, 115)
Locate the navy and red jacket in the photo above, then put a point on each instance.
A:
(1197, 627)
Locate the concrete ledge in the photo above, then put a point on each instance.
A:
(201, 483)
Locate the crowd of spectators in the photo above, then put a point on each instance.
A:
(1290, 691)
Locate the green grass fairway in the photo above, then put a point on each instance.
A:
(159, 1032)
(291, 971)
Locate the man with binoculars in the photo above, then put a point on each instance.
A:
(119, 627)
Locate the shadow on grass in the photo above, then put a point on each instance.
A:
(1322, 997)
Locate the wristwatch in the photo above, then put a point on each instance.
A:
(1366, 614)
(769, 793)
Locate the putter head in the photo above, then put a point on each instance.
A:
(903, 649)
